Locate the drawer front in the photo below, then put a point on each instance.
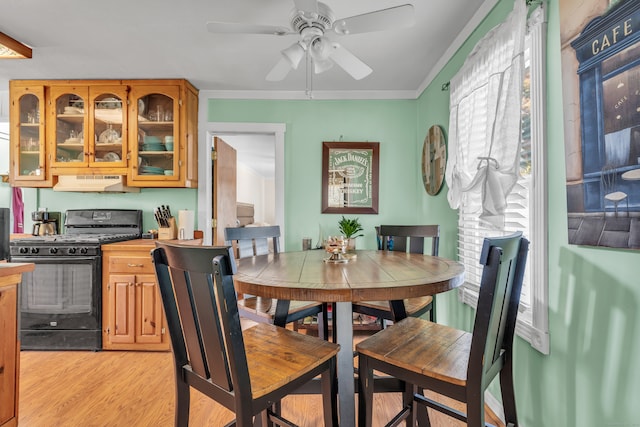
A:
(130, 264)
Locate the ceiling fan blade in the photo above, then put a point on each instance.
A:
(350, 63)
(384, 19)
(237, 28)
(279, 71)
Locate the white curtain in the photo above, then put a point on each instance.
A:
(484, 120)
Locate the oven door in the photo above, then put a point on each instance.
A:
(60, 303)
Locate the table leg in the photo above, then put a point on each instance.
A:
(343, 324)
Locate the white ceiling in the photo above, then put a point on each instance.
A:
(74, 39)
(256, 151)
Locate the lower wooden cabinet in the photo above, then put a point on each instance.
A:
(10, 278)
(8, 356)
(132, 313)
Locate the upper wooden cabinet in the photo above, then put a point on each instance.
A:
(88, 129)
(28, 149)
(143, 129)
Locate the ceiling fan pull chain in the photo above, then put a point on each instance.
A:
(309, 75)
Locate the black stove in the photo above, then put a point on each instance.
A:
(60, 301)
(85, 231)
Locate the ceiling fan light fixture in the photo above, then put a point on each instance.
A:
(320, 66)
(320, 48)
(294, 54)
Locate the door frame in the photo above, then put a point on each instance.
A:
(205, 178)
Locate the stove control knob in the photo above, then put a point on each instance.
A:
(35, 250)
(23, 250)
(72, 250)
(53, 250)
(84, 250)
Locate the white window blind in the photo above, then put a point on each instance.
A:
(526, 207)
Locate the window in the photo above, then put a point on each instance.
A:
(526, 204)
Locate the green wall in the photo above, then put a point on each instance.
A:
(147, 200)
(308, 124)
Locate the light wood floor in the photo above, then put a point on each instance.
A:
(136, 389)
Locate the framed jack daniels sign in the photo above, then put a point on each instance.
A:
(350, 177)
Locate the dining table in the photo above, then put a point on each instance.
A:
(362, 275)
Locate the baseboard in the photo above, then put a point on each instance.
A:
(494, 406)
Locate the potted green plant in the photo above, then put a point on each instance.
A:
(348, 228)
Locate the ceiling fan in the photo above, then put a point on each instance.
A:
(313, 22)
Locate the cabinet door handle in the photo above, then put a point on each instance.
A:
(135, 265)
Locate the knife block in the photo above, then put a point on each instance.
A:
(170, 232)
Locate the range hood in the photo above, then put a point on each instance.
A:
(94, 183)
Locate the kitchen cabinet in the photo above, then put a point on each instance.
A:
(145, 130)
(132, 313)
(164, 123)
(87, 129)
(10, 278)
(28, 166)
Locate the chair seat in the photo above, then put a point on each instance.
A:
(268, 370)
(616, 196)
(412, 305)
(266, 307)
(423, 347)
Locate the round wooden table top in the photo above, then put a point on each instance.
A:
(369, 276)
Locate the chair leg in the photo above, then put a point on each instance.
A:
(408, 401)
(508, 394)
(475, 409)
(183, 400)
(329, 385)
(276, 408)
(323, 323)
(422, 414)
(246, 418)
(432, 311)
(334, 330)
(365, 392)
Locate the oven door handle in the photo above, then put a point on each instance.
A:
(37, 259)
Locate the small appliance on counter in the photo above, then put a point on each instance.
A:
(45, 223)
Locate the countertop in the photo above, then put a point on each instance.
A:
(145, 244)
(8, 269)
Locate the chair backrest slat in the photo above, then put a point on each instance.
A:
(250, 241)
(409, 237)
(197, 290)
(504, 260)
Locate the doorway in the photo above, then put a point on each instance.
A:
(256, 166)
(268, 133)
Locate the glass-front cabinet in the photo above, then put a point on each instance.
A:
(88, 127)
(155, 148)
(144, 130)
(108, 125)
(28, 137)
(69, 118)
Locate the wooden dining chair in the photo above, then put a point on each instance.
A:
(404, 238)
(247, 371)
(450, 362)
(252, 241)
